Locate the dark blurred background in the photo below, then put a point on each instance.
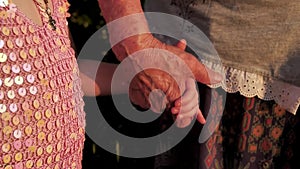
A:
(85, 20)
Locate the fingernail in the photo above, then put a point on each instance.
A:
(174, 110)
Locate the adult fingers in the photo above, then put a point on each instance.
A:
(181, 44)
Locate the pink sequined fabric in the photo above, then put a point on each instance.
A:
(41, 106)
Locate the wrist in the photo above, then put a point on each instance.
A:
(115, 9)
(133, 44)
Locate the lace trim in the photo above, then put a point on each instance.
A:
(265, 88)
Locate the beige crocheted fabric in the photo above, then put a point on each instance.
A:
(257, 41)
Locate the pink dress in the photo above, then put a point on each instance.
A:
(41, 107)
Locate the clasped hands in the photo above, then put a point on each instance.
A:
(169, 75)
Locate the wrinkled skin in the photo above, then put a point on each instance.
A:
(139, 39)
(170, 83)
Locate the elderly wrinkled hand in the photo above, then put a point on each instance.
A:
(169, 68)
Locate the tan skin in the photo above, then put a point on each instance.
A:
(29, 9)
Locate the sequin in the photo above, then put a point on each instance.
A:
(49, 149)
(41, 50)
(57, 157)
(19, 42)
(47, 96)
(49, 72)
(49, 125)
(34, 122)
(22, 92)
(8, 167)
(29, 164)
(11, 94)
(44, 82)
(26, 67)
(58, 42)
(48, 113)
(41, 75)
(55, 97)
(28, 130)
(5, 31)
(13, 107)
(52, 84)
(56, 166)
(28, 114)
(32, 52)
(8, 82)
(36, 39)
(32, 149)
(3, 14)
(40, 151)
(6, 147)
(39, 163)
(12, 56)
(19, 166)
(3, 57)
(6, 159)
(58, 134)
(38, 115)
(28, 142)
(17, 144)
(19, 20)
(52, 58)
(40, 123)
(16, 120)
(50, 137)
(6, 116)
(17, 133)
(25, 106)
(28, 39)
(73, 136)
(24, 29)
(19, 80)
(36, 104)
(58, 31)
(16, 30)
(15, 69)
(30, 78)
(18, 157)
(33, 90)
(31, 29)
(58, 146)
(9, 44)
(37, 64)
(56, 56)
(23, 54)
(7, 130)
(2, 43)
(2, 108)
(49, 160)
(6, 69)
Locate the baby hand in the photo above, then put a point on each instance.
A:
(187, 107)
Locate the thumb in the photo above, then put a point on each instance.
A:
(201, 72)
(181, 44)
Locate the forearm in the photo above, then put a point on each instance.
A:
(127, 25)
(114, 9)
(96, 78)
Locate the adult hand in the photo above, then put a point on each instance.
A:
(169, 81)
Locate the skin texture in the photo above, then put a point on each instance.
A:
(151, 79)
(144, 82)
